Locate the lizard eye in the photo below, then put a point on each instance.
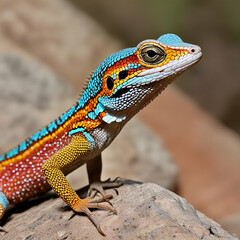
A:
(110, 83)
(152, 54)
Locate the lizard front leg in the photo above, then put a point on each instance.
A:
(53, 170)
(94, 169)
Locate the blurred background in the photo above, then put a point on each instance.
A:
(49, 48)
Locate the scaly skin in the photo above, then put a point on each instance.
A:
(122, 85)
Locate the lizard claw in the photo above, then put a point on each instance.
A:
(83, 206)
(103, 199)
(113, 181)
(94, 220)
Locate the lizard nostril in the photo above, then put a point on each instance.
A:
(195, 49)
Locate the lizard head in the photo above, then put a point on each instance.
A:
(129, 79)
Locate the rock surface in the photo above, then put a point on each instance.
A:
(145, 211)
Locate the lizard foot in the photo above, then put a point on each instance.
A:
(84, 205)
(98, 187)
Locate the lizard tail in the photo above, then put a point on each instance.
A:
(3, 203)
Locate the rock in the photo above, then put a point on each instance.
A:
(145, 211)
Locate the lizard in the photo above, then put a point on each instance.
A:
(123, 84)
